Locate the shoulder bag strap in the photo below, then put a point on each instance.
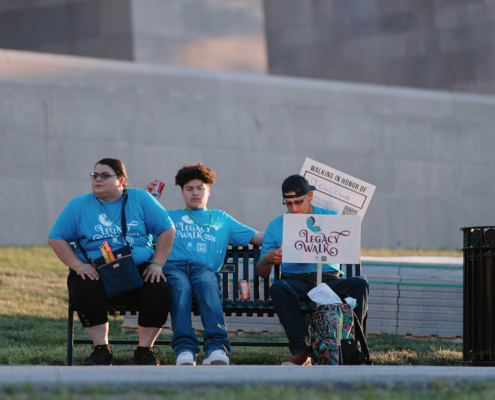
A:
(360, 337)
(88, 259)
(123, 221)
(124, 233)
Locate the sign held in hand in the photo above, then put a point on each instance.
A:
(321, 238)
(336, 190)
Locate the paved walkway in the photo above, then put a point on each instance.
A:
(345, 376)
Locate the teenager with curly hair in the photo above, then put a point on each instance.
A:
(200, 244)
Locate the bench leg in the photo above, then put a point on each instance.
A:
(70, 335)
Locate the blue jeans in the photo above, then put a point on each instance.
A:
(186, 280)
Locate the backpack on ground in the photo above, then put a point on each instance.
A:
(337, 337)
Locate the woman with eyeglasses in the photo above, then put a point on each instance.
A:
(95, 218)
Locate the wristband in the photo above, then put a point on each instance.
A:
(262, 259)
(156, 264)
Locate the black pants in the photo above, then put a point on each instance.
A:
(287, 292)
(152, 300)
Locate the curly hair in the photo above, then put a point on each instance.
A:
(189, 172)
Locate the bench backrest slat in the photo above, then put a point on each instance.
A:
(225, 280)
(245, 265)
(348, 271)
(256, 279)
(235, 281)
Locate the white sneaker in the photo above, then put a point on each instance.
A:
(217, 357)
(185, 358)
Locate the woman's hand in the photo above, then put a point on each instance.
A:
(149, 187)
(153, 272)
(87, 270)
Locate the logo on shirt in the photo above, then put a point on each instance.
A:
(187, 220)
(103, 220)
(108, 230)
(188, 230)
(323, 258)
(201, 247)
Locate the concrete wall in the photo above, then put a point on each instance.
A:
(91, 28)
(221, 35)
(435, 44)
(429, 153)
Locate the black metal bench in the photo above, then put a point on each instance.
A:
(259, 305)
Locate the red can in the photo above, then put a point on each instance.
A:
(157, 189)
(244, 290)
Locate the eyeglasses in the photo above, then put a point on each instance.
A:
(94, 176)
(297, 203)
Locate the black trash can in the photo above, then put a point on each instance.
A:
(479, 296)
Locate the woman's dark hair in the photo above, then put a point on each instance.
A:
(189, 172)
(118, 167)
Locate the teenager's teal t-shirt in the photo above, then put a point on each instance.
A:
(273, 240)
(202, 244)
(83, 219)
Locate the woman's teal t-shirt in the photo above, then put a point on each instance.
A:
(83, 219)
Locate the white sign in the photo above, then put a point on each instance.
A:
(320, 238)
(337, 191)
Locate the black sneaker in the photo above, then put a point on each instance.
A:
(101, 355)
(145, 356)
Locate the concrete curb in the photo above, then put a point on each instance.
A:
(187, 377)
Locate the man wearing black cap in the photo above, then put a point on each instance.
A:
(298, 279)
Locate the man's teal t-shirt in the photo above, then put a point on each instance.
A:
(273, 240)
(203, 245)
(83, 219)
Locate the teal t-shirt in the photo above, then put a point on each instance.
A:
(205, 245)
(273, 240)
(82, 219)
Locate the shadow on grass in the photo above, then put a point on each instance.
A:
(27, 340)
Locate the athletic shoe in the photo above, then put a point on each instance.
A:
(145, 356)
(101, 355)
(217, 357)
(301, 359)
(185, 358)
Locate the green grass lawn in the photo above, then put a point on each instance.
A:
(439, 391)
(33, 322)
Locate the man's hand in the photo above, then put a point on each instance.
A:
(87, 270)
(153, 272)
(274, 256)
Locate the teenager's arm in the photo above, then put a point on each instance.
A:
(257, 239)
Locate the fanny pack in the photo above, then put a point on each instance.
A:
(121, 275)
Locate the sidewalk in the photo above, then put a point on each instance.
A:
(187, 377)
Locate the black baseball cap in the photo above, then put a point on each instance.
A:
(298, 184)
